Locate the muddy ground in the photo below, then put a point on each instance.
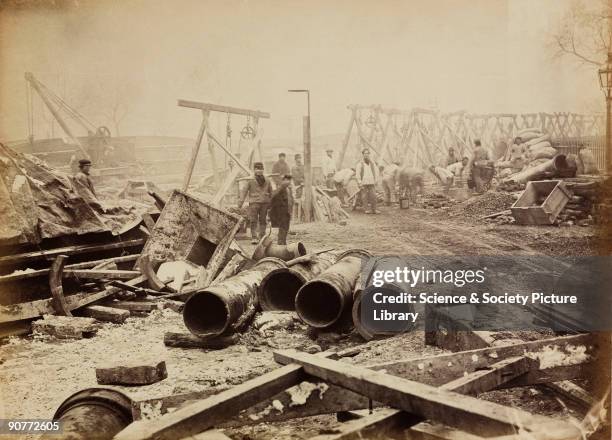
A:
(36, 375)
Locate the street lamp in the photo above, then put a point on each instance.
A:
(605, 80)
(307, 189)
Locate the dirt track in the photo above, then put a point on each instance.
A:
(431, 232)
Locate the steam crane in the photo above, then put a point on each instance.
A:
(55, 104)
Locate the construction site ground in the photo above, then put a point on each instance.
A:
(36, 375)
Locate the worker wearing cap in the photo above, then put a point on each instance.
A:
(259, 190)
(281, 207)
(82, 176)
(280, 168)
(329, 168)
(84, 186)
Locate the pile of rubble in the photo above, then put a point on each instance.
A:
(483, 205)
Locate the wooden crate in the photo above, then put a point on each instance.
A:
(541, 202)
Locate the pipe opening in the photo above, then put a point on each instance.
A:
(205, 314)
(319, 304)
(301, 249)
(279, 289)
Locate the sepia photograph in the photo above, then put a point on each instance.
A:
(323, 219)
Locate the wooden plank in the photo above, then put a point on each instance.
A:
(432, 370)
(68, 250)
(55, 285)
(464, 412)
(393, 422)
(211, 434)
(134, 306)
(101, 274)
(195, 150)
(574, 393)
(223, 109)
(132, 374)
(33, 309)
(106, 314)
(188, 340)
(205, 414)
(66, 327)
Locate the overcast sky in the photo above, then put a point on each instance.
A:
(477, 55)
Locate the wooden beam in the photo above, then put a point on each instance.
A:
(195, 150)
(56, 287)
(467, 413)
(433, 370)
(188, 340)
(205, 414)
(393, 422)
(223, 109)
(101, 274)
(236, 160)
(211, 434)
(68, 250)
(34, 309)
(106, 314)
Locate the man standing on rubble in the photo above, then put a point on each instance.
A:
(280, 168)
(367, 177)
(281, 208)
(84, 186)
(329, 168)
(259, 191)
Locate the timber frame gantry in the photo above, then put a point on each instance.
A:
(253, 135)
(420, 137)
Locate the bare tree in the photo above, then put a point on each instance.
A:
(584, 32)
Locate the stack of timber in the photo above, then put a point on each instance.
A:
(325, 207)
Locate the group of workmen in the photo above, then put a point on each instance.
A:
(275, 195)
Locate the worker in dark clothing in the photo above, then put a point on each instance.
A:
(259, 191)
(84, 186)
(82, 176)
(281, 207)
(297, 172)
(280, 168)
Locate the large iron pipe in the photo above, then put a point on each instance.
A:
(382, 263)
(324, 300)
(285, 252)
(225, 307)
(93, 413)
(279, 288)
(557, 164)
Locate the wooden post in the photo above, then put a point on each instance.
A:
(347, 138)
(307, 191)
(213, 163)
(196, 150)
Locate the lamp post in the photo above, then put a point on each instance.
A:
(605, 80)
(307, 189)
